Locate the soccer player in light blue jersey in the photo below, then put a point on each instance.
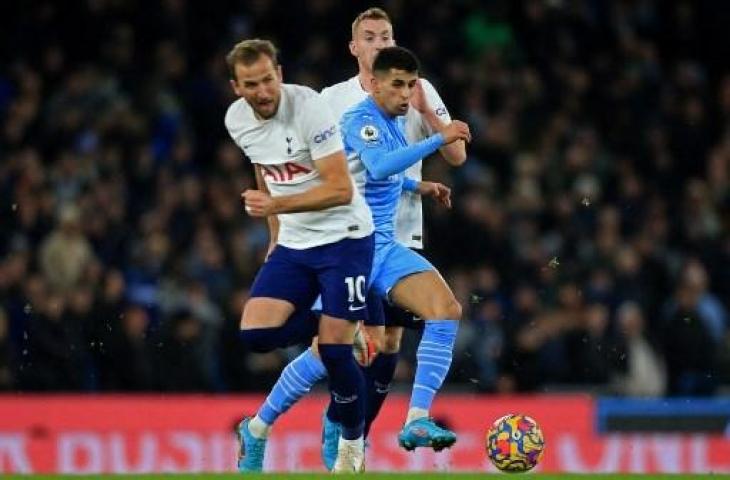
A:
(373, 133)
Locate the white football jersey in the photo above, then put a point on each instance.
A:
(409, 222)
(285, 146)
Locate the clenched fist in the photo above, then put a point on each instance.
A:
(257, 203)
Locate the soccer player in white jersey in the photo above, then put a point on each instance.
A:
(321, 233)
(371, 32)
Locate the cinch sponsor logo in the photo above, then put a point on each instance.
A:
(325, 134)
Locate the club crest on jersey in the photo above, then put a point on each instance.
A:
(369, 133)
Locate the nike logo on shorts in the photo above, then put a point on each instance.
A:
(355, 309)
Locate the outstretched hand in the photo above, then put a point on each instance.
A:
(438, 191)
(456, 130)
(418, 100)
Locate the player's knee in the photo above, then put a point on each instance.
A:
(449, 309)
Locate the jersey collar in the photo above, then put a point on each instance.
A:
(374, 106)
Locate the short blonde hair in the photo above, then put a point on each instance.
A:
(373, 13)
(249, 51)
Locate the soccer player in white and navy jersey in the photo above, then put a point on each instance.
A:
(321, 232)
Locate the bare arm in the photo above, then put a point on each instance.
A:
(454, 153)
(336, 189)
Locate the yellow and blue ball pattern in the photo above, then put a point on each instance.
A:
(515, 443)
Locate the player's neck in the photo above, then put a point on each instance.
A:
(381, 107)
(366, 79)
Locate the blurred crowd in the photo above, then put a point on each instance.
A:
(589, 240)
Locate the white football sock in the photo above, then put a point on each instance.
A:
(258, 427)
(415, 413)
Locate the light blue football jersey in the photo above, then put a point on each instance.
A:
(363, 127)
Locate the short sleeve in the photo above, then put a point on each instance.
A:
(326, 95)
(319, 128)
(435, 102)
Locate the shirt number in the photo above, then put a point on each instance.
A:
(356, 288)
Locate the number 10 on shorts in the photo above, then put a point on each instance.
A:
(356, 288)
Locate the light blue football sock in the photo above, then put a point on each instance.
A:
(295, 381)
(433, 361)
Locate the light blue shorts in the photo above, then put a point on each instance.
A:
(393, 262)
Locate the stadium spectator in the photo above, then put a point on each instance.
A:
(688, 343)
(66, 253)
(641, 371)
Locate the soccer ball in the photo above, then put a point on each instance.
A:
(515, 443)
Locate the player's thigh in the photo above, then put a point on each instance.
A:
(427, 295)
(344, 276)
(265, 312)
(412, 283)
(282, 285)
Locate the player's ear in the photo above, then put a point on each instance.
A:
(374, 84)
(279, 73)
(353, 48)
(234, 86)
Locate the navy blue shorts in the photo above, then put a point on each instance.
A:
(339, 271)
(376, 312)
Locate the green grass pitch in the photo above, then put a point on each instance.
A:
(378, 476)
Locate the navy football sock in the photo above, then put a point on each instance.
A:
(347, 388)
(378, 378)
(300, 328)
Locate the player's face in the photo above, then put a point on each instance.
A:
(393, 90)
(371, 37)
(260, 84)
